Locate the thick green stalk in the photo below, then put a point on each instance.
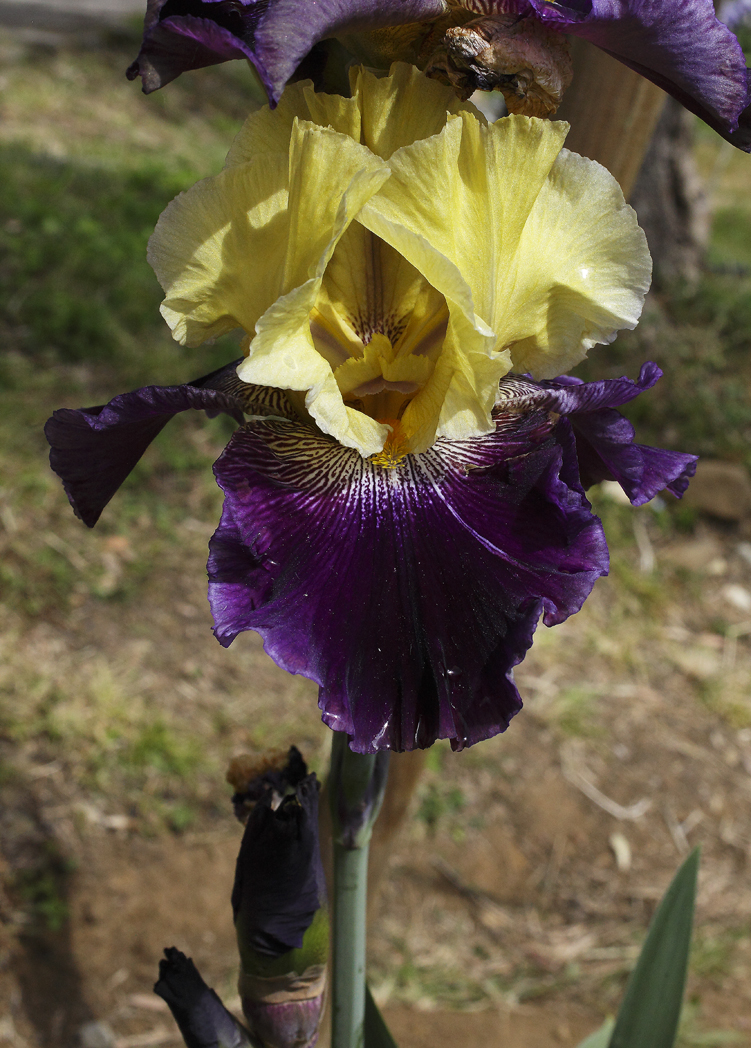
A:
(348, 975)
(356, 785)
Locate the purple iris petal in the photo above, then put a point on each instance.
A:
(605, 439)
(279, 884)
(94, 449)
(680, 45)
(407, 594)
(275, 35)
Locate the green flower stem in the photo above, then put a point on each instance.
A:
(348, 982)
(356, 786)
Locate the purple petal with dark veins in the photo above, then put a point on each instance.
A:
(94, 449)
(275, 35)
(605, 439)
(409, 593)
(680, 45)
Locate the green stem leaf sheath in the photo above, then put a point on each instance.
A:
(356, 786)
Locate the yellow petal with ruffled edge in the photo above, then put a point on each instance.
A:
(201, 247)
(550, 271)
(331, 177)
(589, 280)
(415, 281)
(403, 108)
(269, 130)
(233, 245)
(456, 204)
(486, 180)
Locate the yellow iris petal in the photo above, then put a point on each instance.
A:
(485, 180)
(392, 256)
(202, 243)
(331, 177)
(580, 273)
(403, 108)
(270, 130)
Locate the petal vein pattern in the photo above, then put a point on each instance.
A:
(309, 528)
(410, 589)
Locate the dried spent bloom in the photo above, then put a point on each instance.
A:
(680, 45)
(529, 63)
(404, 496)
(276, 774)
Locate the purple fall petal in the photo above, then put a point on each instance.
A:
(407, 594)
(605, 439)
(275, 35)
(93, 450)
(680, 45)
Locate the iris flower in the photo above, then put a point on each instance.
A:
(404, 496)
(677, 44)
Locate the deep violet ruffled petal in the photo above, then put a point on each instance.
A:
(605, 446)
(94, 449)
(680, 45)
(408, 594)
(606, 451)
(275, 36)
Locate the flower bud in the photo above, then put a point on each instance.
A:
(281, 920)
(203, 1020)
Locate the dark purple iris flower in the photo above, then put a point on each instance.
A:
(407, 593)
(677, 44)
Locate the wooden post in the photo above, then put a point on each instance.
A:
(612, 111)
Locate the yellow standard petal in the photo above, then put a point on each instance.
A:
(580, 273)
(392, 256)
(202, 247)
(331, 177)
(270, 130)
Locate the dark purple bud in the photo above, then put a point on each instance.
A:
(279, 885)
(203, 1020)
